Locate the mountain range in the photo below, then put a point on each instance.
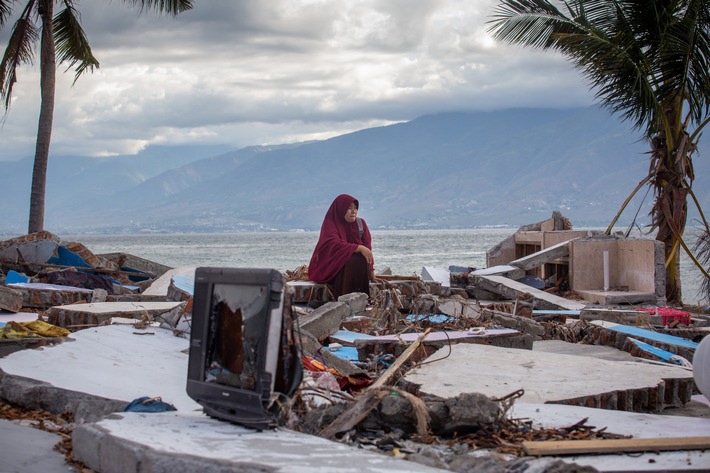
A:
(447, 170)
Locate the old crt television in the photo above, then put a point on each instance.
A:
(243, 352)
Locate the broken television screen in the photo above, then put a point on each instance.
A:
(237, 331)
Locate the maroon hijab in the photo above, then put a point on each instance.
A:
(338, 241)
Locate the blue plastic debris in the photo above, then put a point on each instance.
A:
(66, 257)
(13, 277)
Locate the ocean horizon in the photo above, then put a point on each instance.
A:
(404, 252)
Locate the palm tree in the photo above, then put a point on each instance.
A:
(61, 38)
(647, 60)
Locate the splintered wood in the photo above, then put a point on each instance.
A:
(572, 447)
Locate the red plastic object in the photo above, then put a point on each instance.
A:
(667, 314)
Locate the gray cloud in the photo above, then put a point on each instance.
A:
(275, 71)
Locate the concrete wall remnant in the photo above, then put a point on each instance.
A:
(632, 270)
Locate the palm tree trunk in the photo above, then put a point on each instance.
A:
(672, 178)
(48, 72)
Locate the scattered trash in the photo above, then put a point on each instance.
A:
(149, 404)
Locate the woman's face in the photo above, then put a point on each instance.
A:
(351, 214)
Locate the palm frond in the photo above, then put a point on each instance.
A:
(689, 38)
(19, 51)
(71, 42)
(5, 10)
(638, 55)
(528, 22)
(172, 7)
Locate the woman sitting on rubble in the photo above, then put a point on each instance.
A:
(343, 255)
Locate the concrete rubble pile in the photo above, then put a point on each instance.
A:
(560, 355)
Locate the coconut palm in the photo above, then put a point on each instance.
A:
(61, 39)
(646, 60)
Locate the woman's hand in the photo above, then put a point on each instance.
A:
(365, 251)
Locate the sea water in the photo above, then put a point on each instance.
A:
(405, 252)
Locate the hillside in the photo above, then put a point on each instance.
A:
(450, 170)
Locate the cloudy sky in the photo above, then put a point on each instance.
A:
(248, 72)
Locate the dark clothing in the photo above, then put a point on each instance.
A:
(353, 277)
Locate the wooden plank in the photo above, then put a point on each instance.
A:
(576, 447)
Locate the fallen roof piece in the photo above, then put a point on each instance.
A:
(512, 289)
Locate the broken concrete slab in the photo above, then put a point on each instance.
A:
(613, 297)
(521, 324)
(154, 362)
(325, 320)
(554, 378)
(458, 307)
(75, 316)
(618, 335)
(356, 301)
(131, 262)
(582, 349)
(36, 247)
(175, 441)
(543, 256)
(512, 289)
(506, 270)
(44, 296)
(10, 299)
(77, 254)
(615, 314)
(439, 275)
